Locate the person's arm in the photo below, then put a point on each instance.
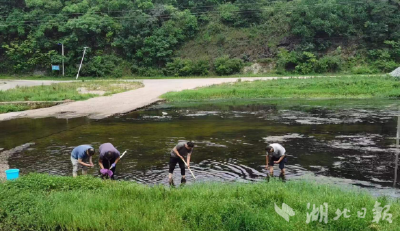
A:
(267, 161)
(91, 161)
(117, 160)
(177, 153)
(188, 159)
(84, 164)
(101, 164)
(280, 159)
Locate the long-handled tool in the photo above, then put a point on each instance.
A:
(108, 171)
(120, 157)
(188, 167)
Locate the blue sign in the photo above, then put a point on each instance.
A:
(55, 67)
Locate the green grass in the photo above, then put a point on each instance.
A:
(60, 92)
(12, 108)
(317, 87)
(43, 202)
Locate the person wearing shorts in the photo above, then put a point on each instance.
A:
(80, 157)
(276, 154)
(178, 153)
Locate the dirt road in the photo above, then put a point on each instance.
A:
(102, 107)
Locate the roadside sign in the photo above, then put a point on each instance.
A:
(55, 67)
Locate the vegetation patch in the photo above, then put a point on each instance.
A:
(43, 202)
(317, 87)
(61, 92)
(314, 36)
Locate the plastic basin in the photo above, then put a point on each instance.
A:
(12, 174)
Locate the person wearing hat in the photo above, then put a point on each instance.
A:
(276, 154)
(178, 153)
(108, 159)
(80, 157)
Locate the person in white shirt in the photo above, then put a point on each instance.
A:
(276, 154)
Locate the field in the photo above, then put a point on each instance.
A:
(311, 88)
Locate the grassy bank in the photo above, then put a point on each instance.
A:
(318, 87)
(75, 91)
(42, 202)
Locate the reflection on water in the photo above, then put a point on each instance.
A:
(397, 152)
(349, 140)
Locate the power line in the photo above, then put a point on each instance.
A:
(142, 11)
(32, 22)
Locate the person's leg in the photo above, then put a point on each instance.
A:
(271, 166)
(182, 167)
(172, 164)
(113, 170)
(74, 167)
(84, 168)
(282, 166)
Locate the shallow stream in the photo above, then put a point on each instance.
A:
(350, 141)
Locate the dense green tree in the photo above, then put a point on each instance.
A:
(144, 35)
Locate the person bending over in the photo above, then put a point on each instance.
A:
(181, 150)
(80, 157)
(108, 159)
(276, 154)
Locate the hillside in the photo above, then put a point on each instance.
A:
(192, 38)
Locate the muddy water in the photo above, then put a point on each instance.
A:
(352, 141)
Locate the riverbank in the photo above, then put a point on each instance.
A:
(105, 106)
(32, 97)
(43, 202)
(311, 88)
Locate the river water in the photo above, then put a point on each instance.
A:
(347, 141)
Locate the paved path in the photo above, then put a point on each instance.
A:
(102, 107)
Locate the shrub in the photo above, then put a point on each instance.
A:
(182, 67)
(287, 61)
(363, 69)
(386, 65)
(228, 13)
(147, 71)
(101, 66)
(307, 63)
(226, 66)
(328, 64)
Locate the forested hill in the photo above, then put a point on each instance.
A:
(199, 37)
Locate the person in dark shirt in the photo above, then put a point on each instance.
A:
(181, 150)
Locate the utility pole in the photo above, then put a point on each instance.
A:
(62, 53)
(80, 66)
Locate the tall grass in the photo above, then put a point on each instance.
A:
(68, 90)
(42, 202)
(12, 108)
(60, 92)
(318, 87)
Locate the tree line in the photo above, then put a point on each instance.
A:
(128, 37)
